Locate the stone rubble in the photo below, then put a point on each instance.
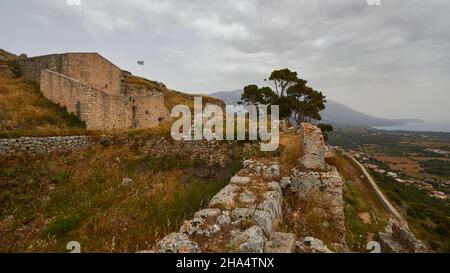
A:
(281, 243)
(318, 184)
(397, 238)
(242, 217)
(311, 245)
(176, 243)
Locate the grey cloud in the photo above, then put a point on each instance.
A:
(370, 58)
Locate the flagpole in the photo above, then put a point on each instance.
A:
(143, 67)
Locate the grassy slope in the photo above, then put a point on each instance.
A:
(25, 111)
(359, 200)
(50, 200)
(428, 217)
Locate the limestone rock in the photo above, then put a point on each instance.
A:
(207, 213)
(313, 148)
(127, 182)
(176, 243)
(265, 221)
(399, 239)
(247, 197)
(225, 198)
(311, 245)
(250, 241)
(285, 182)
(330, 153)
(281, 243)
(193, 227)
(240, 180)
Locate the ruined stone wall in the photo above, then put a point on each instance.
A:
(101, 110)
(42, 145)
(31, 67)
(242, 217)
(246, 215)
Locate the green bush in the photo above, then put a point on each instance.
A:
(61, 226)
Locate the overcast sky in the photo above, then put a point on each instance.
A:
(391, 60)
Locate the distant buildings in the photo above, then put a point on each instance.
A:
(420, 184)
(436, 151)
(439, 195)
(391, 174)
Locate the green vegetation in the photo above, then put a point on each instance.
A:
(365, 216)
(61, 226)
(437, 167)
(50, 200)
(326, 130)
(428, 217)
(291, 93)
(390, 143)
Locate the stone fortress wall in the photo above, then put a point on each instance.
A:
(91, 87)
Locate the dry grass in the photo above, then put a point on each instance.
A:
(25, 111)
(144, 84)
(48, 201)
(291, 149)
(174, 98)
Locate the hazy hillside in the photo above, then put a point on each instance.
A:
(341, 115)
(229, 97)
(335, 113)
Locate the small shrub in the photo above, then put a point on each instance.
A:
(61, 226)
(8, 172)
(60, 177)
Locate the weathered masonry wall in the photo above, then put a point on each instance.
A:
(91, 87)
(31, 67)
(101, 110)
(93, 69)
(42, 145)
(88, 68)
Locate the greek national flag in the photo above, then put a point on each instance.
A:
(140, 62)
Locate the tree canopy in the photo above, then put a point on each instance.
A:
(295, 98)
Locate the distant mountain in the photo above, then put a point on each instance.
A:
(343, 116)
(229, 97)
(335, 113)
